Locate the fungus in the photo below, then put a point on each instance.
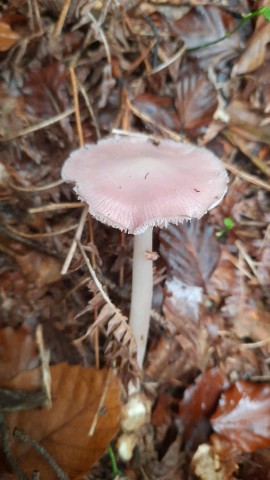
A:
(134, 185)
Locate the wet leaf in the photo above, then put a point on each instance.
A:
(200, 399)
(191, 251)
(242, 417)
(63, 430)
(7, 37)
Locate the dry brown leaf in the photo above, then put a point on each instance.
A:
(7, 37)
(18, 352)
(63, 430)
(254, 55)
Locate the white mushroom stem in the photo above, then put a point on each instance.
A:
(142, 292)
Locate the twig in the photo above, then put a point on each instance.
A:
(90, 108)
(248, 177)
(76, 105)
(45, 369)
(39, 126)
(42, 235)
(74, 241)
(148, 119)
(100, 404)
(62, 18)
(23, 437)
(241, 144)
(43, 188)
(7, 450)
(169, 61)
(55, 206)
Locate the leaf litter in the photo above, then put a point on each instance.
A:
(169, 70)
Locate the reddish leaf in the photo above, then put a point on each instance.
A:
(153, 107)
(191, 251)
(196, 99)
(200, 399)
(242, 418)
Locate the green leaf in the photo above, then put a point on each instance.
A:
(266, 13)
(228, 223)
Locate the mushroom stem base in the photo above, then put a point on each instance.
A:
(142, 292)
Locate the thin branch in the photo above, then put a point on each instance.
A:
(74, 241)
(62, 18)
(7, 450)
(76, 105)
(39, 126)
(23, 437)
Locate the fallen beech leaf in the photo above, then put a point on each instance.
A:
(18, 352)
(242, 417)
(200, 399)
(63, 430)
(253, 56)
(39, 268)
(204, 24)
(196, 99)
(191, 251)
(7, 37)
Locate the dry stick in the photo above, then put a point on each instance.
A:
(42, 451)
(248, 177)
(100, 405)
(45, 369)
(81, 143)
(169, 61)
(236, 140)
(43, 188)
(73, 245)
(148, 119)
(31, 15)
(90, 108)
(41, 235)
(38, 16)
(7, 450)
(62, 18)
(76, 105)
(39, 126)
(55, 206)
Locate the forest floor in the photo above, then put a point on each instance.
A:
(73, 72)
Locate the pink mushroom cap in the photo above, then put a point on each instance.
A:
(132, 184)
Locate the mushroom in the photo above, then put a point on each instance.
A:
(134, 185)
